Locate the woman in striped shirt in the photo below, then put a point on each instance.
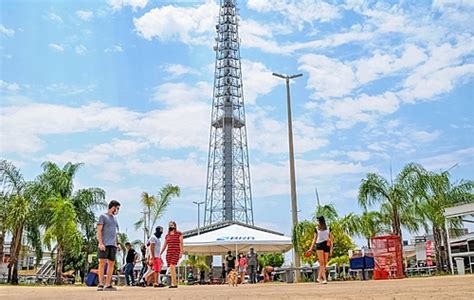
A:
(174, 244)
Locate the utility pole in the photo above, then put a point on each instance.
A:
(199, 213)
(294, 205)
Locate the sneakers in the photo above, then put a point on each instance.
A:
(173, 286)
(325, 282)
(100, 288)
(109, 289)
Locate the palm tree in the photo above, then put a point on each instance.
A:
(122, 239)
(155, 206)
(328, 211)
(164, 197)
(197, 262)
(55, 189)
(393, 198)
(366, 225)
(62, 229)
(432, 193)
(19, 206)
(148, 202)
(301, 238)
(3, 217)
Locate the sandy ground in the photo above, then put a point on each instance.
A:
(448, 287)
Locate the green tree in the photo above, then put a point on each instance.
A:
(328, 211)
(275, 260)
(55, 189)
(366, 225)
(155, 206)
(3, 218)
(196, 262)
(433, 193)
(20, 207)
(62, 229)
(301, 239)
(394, 200)
(341, 242)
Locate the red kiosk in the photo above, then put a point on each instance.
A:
(388, 257)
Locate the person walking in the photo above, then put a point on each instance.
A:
(242, 267)
(155, 256)
(229, 262)
(252, 265)
(144, 262)
(322, 240)
(174, 250)
(107, 228)
(130, 260)
(223, 274)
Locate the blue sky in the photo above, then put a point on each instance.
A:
(125, 86)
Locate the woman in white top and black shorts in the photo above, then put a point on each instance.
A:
(322, 240)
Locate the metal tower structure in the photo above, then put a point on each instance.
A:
(228, 193)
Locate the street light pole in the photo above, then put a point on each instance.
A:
(199, 206)
(294, 204)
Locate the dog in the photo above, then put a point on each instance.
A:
(232, 278)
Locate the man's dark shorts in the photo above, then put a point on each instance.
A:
(109, 253)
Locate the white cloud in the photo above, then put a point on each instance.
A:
(180, 94)
(269, 179)
(176, 70)
(81, 49)
(53, 17)
(6, 31)
(134, 4)
(270, 136)
(358, 155)
(183, 172)
(114, 49)
(56, 47)
(23, 126)
(443, 4)
(327, 77)
(190, 25)
(257, 80)
(63, 89)
(298, 12)
(369, 69)
(9, 87)
(364, 108)
(103, 157)
(441, 162)
(85, 15)
(444, 68)
(260, 35)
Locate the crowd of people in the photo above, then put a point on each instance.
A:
(151, 255)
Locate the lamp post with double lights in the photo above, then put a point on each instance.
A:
(199, 214)
(294, 204)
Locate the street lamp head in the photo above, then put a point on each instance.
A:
(279, 75)
(294, 76)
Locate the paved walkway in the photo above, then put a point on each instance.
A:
(446, 287)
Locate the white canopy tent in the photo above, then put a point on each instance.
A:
(238, 238)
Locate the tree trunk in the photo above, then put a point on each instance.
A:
(444, 252)
(398, 231)
(59, 264)
(437, 246)
(368, 242)
(2, 241)
(15, 248)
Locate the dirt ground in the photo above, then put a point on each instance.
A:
(447, 287)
